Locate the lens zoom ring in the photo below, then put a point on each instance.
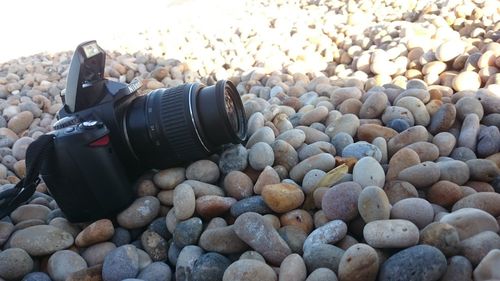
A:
(177, 124)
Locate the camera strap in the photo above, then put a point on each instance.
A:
(36, 153)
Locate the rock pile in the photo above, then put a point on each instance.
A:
(372, 153)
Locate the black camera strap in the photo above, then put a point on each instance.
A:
(12, 198)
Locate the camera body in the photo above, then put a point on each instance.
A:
(107, 134)
(84, 161)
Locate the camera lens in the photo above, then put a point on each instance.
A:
(184, 123)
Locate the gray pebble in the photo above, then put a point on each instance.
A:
(260, 155)
(188, 232)
(251, 204)
(362, 149)
(157, 271)
(210, 267)
(15, 263)
(233, 159)
(62, 263)
(121, 263)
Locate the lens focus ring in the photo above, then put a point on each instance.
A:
(177, 123)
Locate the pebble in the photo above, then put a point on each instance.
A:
(251, 204)
(488, 143)
(368, 172)
(282, 197)
(20, 146)
(359, 262)
(392, 113)
(487, 268)
(203, 170)
(322, 274)
(401, 160)
(421, 175)
(406, 137)
(294, 237)
(40, 240)
(238, 185)
(222, 240)
(467, 80)
(156, 271)
(322, 255)
(121, 263)
(210, 206)
(169, 178)
(234, 158)
(28, 212)
(469, 105)
(443, 236)
(341, 201)
(187, 232)
(20, 122)
(6, 229)
(421, 262)
(140, 213)
(185, 262)
(443, 119)
(62, 263)
(418, 211)
(459, 269)
(329, 233)
(294, 137)
(373, 204)
(315, 115)
(323, 161)
(264, 134)
(154, 245)
(445, 142)
(96, 253)
(470, 221)
(362, 149)
(475, 248)
(394, 233)
(444, 193)
(454, 171)
(98, 231)
(255, 122)
(249, 270)
(267, 176)
(340, 141)
(15, 263)
(417, 108)
(36, 276)
(260, 156)
(262, 237)
(486, 201)
(184, 201)
(347, 123)
(293, 268)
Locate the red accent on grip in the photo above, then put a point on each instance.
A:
(103, 141)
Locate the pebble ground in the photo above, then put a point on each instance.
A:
(372, 154)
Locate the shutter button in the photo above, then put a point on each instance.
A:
(91, 124)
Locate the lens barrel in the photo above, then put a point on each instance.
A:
(184, 123)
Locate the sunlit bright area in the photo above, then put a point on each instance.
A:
(31, 26)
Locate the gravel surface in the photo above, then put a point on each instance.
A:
(373, 150)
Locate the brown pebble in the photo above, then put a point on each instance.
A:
(98, 231)
(282, 197)
(210, 206)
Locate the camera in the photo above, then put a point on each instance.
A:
(107, 134)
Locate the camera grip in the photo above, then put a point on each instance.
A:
(84, 175)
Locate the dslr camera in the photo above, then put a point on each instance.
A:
(108, 134)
